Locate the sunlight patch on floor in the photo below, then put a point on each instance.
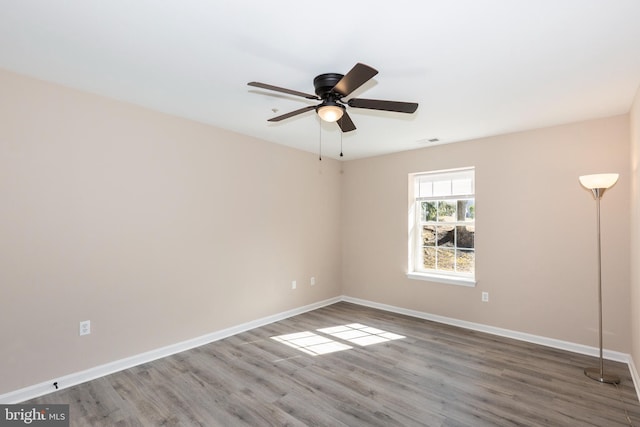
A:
(354, 333)
(311, 343)
(359, 334)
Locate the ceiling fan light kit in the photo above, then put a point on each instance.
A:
(330, 88)
(330, 111)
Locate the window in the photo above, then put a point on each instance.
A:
(442, 226)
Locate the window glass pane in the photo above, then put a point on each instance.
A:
(461, 210)
(461, 186)
(446, 211)
(446, 236)
(429, 211)
(465, 236)
(465, 261)
(429, 258)
(445, 259)
(442, 188)
(425, 189)
(469, 209)
(428, 235)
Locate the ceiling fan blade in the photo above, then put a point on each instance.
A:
(293, 113)
(356, 77)
(345, 123)
(281, 89)
(378, 104)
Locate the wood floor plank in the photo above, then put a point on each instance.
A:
(435, 375)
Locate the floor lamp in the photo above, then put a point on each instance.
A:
(598, 184)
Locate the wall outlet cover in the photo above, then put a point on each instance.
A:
(85, 327)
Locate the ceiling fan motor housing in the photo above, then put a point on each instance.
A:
(324, 84)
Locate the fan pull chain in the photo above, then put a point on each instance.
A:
(320, 139)
(341, 155)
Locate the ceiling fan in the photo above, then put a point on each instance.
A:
(331, 88)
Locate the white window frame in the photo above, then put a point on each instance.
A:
(415, 225)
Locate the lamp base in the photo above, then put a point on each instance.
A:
(594, 374)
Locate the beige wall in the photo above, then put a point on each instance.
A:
(159, 230)
(535, 232)
(155, 228)
(635, 229)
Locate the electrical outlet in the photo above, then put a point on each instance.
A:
(293, 284)
(485, 297)
(313, 281)
(85, 327)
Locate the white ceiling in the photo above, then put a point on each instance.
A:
(476, 67)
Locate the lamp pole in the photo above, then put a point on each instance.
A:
(598, 184)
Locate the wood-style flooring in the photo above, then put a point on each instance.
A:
(436, 375)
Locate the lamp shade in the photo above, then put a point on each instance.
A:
(330, 113)
(600, 180)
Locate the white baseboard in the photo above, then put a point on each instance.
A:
(75, 378)
(70, 380)
(521, 336)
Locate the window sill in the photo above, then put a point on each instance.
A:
(459, 281)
